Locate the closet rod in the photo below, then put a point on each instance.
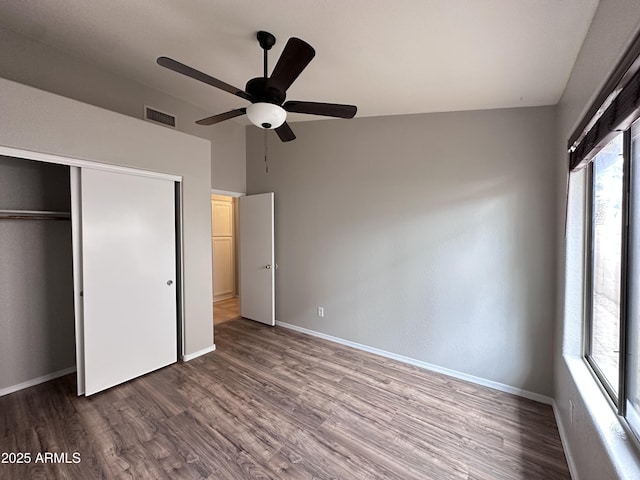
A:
(33, 215)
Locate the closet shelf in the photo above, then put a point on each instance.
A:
(33, 215)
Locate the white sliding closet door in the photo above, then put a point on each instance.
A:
(129, 276)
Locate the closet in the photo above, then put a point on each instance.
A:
(36, 282)
(88, 273)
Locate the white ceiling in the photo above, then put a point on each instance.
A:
(387, 57)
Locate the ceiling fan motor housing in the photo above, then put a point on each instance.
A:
(261, 92)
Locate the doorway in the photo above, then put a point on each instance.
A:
(242, 234)
(224, 244)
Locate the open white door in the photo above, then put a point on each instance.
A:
(257, 259)
(128, 275)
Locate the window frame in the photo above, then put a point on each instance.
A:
(624, 272)
(618, 399)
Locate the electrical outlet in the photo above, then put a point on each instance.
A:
(571, 412)
(321, 311)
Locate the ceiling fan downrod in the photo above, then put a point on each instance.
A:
(266, 41)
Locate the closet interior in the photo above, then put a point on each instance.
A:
(36, 281)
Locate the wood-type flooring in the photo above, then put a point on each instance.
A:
(271, 403)
(226, 310)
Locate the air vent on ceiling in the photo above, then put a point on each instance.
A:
(156, 116)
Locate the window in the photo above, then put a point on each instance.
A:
(607, 142)
(603, 349)
(613, 293)
(632, 367)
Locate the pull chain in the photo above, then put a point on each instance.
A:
(266, 162)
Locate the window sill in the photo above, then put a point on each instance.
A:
(618, 444)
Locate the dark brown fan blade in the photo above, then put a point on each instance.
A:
(295, 57)
(221, 117)
(203, 77)
(319, 108)
(285, 133)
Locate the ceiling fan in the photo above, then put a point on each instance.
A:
(267, 95)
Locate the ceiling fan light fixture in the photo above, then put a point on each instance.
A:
(266, 115)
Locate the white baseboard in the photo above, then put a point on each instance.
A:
(573, 471)
(36, 381)
(199, 353)
(428, 366)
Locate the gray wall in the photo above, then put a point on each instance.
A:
(36, 284)
(599, 446)
(31, 63)
(43, 122)
(228, 150)
(429, 236)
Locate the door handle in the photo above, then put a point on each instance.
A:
(169, 282)
(268, 267)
